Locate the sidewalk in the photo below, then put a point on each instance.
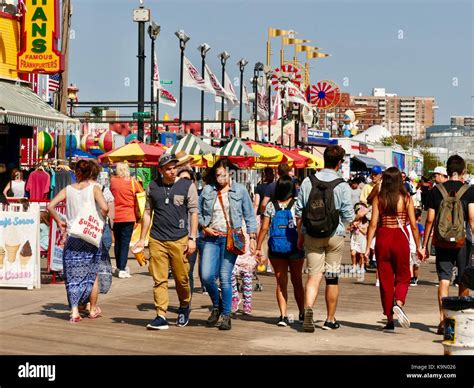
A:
(36, 322)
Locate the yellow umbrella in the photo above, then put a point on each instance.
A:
(268, 155)
(316, 161)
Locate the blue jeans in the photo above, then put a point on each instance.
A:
(217, 265)
(192, 262)
(123, 234)
(107, 237)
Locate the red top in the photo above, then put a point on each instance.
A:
(124, 199)
(395, 221)
(38, 185)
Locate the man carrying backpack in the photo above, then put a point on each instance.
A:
(324, 205)
(451, 214)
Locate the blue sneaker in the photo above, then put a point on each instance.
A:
(183, 316)
(159, 323)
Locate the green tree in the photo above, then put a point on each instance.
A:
(97, 110)
(430, 161)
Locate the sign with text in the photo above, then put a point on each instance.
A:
(39, 37)
(19, 247)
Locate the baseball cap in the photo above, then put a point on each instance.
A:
(166, 159)
(440, 170)
(376, 170)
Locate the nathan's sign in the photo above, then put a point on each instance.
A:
(39, 38)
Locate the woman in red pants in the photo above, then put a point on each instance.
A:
(392, 210)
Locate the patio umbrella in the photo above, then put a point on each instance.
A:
(236, 147)
(135, 152)
(294, 158)
(269, 156)
(192, 145)
(316, 161)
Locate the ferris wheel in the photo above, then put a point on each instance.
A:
(325, 94)
(289, 71)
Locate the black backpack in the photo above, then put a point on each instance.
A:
(320, 216)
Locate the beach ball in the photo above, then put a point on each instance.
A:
(71, 142)
(106, 141)
(45, 143)
(87, 141)
(131, 137)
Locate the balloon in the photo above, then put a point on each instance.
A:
(45, 143)
(106, 141)
(71, 142)
(87, 142)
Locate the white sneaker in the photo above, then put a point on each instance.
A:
(377, 283)
(124, 275)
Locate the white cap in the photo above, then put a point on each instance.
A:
(440, 170)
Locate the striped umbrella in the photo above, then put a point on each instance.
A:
(192, 145)
(297, 160)
(237, 147)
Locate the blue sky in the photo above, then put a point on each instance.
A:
(435, 56)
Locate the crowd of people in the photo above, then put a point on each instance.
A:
(226, 230)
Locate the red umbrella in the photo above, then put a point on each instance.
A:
(299, 161)
(135, 152)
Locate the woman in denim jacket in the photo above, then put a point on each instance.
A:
(217, 262)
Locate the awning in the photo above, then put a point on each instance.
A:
(368, 161)
(19, 105)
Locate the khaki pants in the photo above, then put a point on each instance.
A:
(162, 255)
(324, 254)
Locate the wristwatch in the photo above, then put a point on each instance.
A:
(192, 238)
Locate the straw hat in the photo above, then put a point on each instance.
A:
(183, 158)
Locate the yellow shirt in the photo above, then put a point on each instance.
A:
(366, 192)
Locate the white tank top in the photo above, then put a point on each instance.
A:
(75, 200)
(18, 188)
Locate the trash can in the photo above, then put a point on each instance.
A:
(458, 325)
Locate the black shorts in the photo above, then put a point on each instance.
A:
(447, 259)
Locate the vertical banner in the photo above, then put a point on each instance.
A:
(19, 247)
(39, 38)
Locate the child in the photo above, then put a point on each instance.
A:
(244, 267)
(414, 262)
(359, 239)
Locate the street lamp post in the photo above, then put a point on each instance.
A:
(141, 15)
(153, 32)
(268, 75)
(282, 80)
(203, 48)
(256, 74)
(224, 56)
(72, 98)
(183, 38)
(242, 63)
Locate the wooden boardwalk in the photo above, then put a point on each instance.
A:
(36, 323)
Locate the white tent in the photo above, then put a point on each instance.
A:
(373, 134)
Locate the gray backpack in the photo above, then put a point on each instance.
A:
(450, 226)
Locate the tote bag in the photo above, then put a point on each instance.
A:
(88, 225)
(140, 200)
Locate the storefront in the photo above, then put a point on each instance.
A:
(21, 111)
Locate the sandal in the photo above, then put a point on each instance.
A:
(75, 319)
(95, 315)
